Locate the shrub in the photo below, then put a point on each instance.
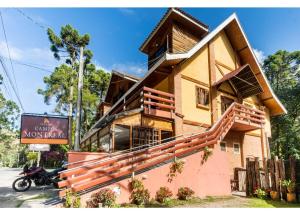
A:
(72, 200)
(260, 193)
(140, 196)
(105, 196)
(290, 185)
(163, 194)
(185, 193)
(176, 167)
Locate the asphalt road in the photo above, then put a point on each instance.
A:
(35, 197)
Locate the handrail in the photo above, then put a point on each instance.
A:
(125, 163)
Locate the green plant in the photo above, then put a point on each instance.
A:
(176, 167)
(139, 195)
(105, 196)
(163, 194)
(185, 193)
(290, 185)
(260, 193)
(206, 154)
(32, 157)
(72, 200)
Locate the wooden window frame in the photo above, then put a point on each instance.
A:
(199, 105)
(225, 146)
(236, 143)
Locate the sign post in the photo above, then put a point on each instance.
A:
(44, 129)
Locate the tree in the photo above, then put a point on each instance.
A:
(94, 88)
(283, 71)
(68, 45)
(9, 142)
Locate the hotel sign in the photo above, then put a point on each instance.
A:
(44, 129)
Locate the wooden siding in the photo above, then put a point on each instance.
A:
(182, 40)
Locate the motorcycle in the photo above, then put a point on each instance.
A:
(38, 175)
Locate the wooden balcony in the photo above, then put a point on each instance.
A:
(152, 102)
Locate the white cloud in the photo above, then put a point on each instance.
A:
(126, 11)
(15, 53)
(259, 55)
(33, 55)
(132, 68)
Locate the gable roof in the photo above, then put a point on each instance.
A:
(173, 11)
(268, 96)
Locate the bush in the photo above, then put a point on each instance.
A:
(176, 167)
(185, 193)
(290, 185)
(72, 200)
(260, 193)
(105, 196)
(163, 194)
(139, 195)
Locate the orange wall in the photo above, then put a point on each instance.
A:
(210, 179)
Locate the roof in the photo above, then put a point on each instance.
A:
(243, 80)
(170, 11)
(268, 96)
(125, 75)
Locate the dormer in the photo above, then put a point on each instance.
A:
(177, 32)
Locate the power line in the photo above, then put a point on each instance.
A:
(32, 20)
(6, 41)
(11, 83)
(32, 66)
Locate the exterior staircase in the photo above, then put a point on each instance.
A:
(106, 169)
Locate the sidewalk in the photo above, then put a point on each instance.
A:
(34, 197)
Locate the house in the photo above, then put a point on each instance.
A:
(202, 89)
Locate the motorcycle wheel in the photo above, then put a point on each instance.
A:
(21, 184)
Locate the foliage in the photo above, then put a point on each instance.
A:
(72, 200)
(290, 185)
(176, 167)
(139, 194)
(163, 194)
(283, 70)
(260, 193)
(105, 196)
(52, 159)
(185, 193)
(206, 154)
(32, 157)
(9, 142)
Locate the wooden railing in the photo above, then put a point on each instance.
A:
(158, 103)
(92, 174)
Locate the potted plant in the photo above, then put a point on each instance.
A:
(274, 195)
(290, 186)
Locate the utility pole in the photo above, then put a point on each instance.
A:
(79, 99)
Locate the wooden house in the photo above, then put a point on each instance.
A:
(202, 89)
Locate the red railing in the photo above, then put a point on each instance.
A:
(96, 173)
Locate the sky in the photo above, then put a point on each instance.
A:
(116, 35)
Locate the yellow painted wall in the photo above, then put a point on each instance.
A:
(197, 66)
(223, 50)
(155, 123)
(133, 120)
(189, 109)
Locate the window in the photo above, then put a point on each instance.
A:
(202, 97)
(236, 148)
(223, 146)
(144, 135)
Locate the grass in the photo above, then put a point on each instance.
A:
(258, 203)
(195, 201)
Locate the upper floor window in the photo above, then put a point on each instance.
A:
(223, 146)
(202, 97)
(236, 148)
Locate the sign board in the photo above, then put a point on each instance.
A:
(39, 147)
(44, 129)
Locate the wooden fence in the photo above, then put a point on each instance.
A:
(270, 173)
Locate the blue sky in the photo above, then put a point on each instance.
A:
(116, 35)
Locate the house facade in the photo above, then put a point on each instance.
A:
(202, 89)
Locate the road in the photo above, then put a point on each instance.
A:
(35, 197)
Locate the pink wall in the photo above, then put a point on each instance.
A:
(210, 179)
